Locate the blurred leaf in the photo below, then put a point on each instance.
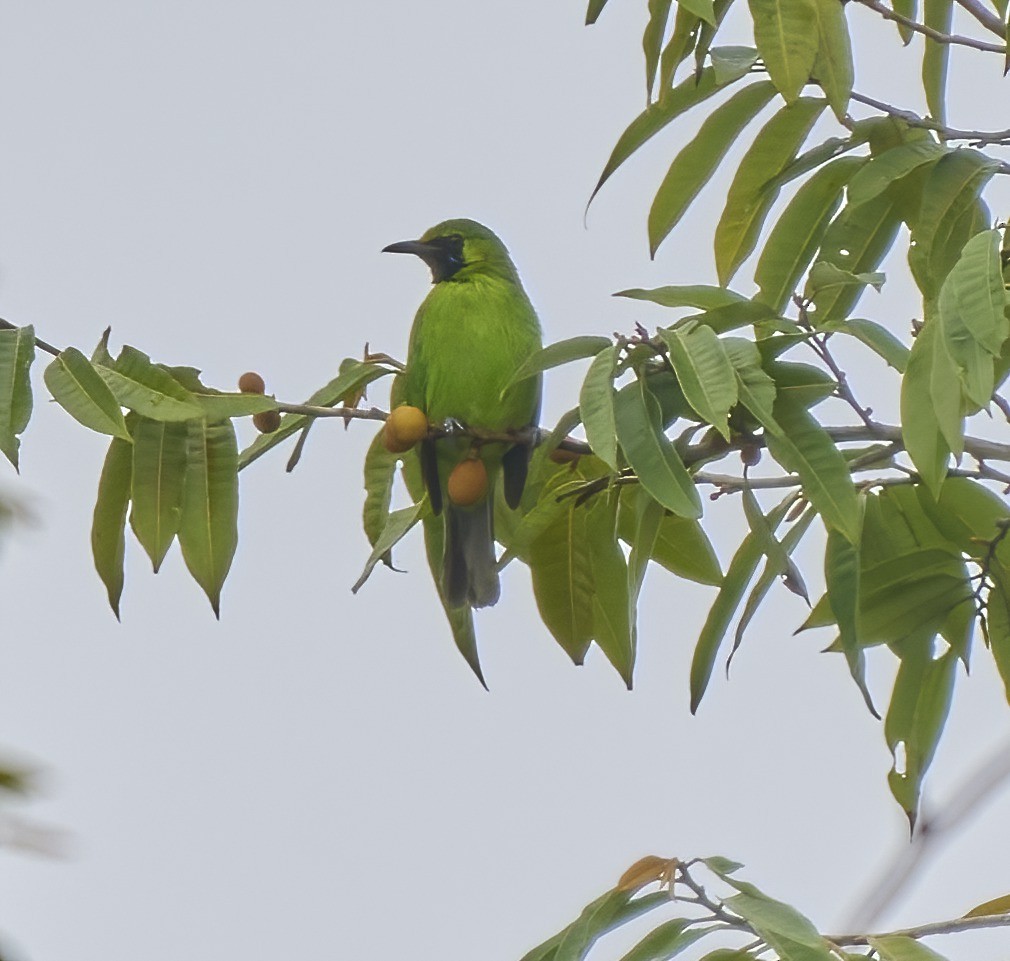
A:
(665, 941)
(782, 927)
(705, 373)
(801, 446)
(610, 911)
(596, 405)
(877, 338)
(857, 240)
(702, 297)
(652, 41)
(915, 719)
(554, 355)
(108, 525)
(930, 406)
(148, 389)
(352, 378)
(693, 167)
(685, 95)
(17, 351)
(703, 9)
(833, 68)
(217, 404)
(786, 34)
(738, 576)
(995, 906)
(939, 15)
(208, 527)
(747, 202)
(77, 387)
(896, 947)
(733, 316)
(794, 239)
(651, 455)
(159, 471)
(883, 170)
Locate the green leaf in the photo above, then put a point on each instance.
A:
(613, 623)
(704, 371)
(802, 446)
(815, 157)
(648, 520)
(380, 471)
(755, 388)
(727, 62)
(353, 376)
(397, 526)
(159, 472)
(208, 528)
(700, 296)
(149, 389)
(703, 9)
(613, 909)
(896, 947)
(937, 14)
(665, 941)
(594, 10)
(826, 277)
(782, 927)
(794, 239)
(780, 564)
(652, 41)
(554, 355)
(687, 94)
(741, 570)
(17, 351)
(651, 455)
(786, 34)
(877, 338)
(733, 316)
(693, 167)
(683, 39)
(108, 525)
(915, 719)
(748, 202)
(79, 389)
(910, 10)
(883, 170)
(930, 406)
(596, 405)
(833, 68)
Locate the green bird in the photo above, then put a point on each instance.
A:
(470, 336)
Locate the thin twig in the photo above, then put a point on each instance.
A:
(987, 18)
(48, 348)
(954, 926)
(975, 137)
(947, 38)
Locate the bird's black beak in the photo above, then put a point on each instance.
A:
(443, 255)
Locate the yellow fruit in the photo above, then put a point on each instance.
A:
(467, 482)
(267, 421)
(405, 426)
(251, 383)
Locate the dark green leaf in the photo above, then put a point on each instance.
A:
(883, 170)
(108, 526)
(910, 10)
(693, 167)
(208, 528)
(786, 34)
(596, 406)
(612, 605)
(747, 202)
(398, 525)
(159, 471)
(704, 371)
(652, 41)
(594, 10)
(380, 470)
(77, 387)
(17, 351)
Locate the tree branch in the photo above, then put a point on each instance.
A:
(947, 38)
(975, 137)
(954, 926)
(987, 18)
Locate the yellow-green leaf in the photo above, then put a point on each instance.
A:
(108, 525)
(159, 472)
(17, 351)
(79, 389)
(786, 34)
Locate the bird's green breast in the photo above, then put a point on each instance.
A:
(468, 340)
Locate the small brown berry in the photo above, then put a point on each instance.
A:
(251, 383)
(467, 482)
(267, 421)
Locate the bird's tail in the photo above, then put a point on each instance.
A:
(469, 568)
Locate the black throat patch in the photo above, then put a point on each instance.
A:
(446, 257)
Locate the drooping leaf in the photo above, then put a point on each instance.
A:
(937, 14)
(159, 473)
(792, 936)
(693, 167)
(826, 151)
(786, 34)
(780, 564)
(613, 909)
(78, 388)
(794, 239)
(596, 405)
(683, 39)
(380, 471)
(687, 94)
(910, 10)
(704, 371)
(755, 388)
(108, 525)
(833, 68)
(707, 33)
(700, 296)
(652, 41)
(665, 941)
(208, 527)
(877, 338)
(148, 389)
(897, 947)
(555, 355)
(883, 170)
(594, 10)
(651, 454)
(748, 201)
(17, 351)
(612, 605)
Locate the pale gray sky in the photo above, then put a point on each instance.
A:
(318, 775)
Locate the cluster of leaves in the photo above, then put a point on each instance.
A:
(769, 928)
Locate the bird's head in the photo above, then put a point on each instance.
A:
(458, 250)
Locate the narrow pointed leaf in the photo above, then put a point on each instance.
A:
(613, 607)
(995, 906)
(896, 947)
(833, 68)
(910, 10)
(939, 15)
(665, 941)
(108, 525)
(148, 389)
(159, 473)
(882, 171)
(79, 389)
(693, 167)
(786, 35)
(208, 528)
(17, 351)
(596, 406)
(748, 202)
(594, 10)
(783, 928)
(683, 39)
(699, 296)
(704, 371)
(397, 526)
(554, 355)
(652, 41)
